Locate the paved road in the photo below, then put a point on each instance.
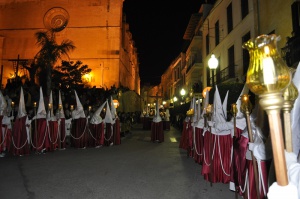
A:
(136, 169)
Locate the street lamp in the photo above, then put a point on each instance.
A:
(182, 93)
(213, 64)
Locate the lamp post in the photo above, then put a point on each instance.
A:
(213, 64)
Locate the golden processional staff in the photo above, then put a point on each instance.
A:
(246, 108)
(268, 77)
(290, 94)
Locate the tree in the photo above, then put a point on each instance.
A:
(48, 55)
(69, 75)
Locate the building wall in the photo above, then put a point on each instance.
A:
(276, 15)
(234, 38)
(95, 26)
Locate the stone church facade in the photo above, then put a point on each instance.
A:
(98, 29)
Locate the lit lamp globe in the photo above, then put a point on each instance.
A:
(268, 76)
(213, 62)
(175, 99)
(267, 72)
(182, 92)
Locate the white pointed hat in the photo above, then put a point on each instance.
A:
(205, 103)
(22, 109)
(157, 117)
(113, 108)
(61, 111)
(41, 112)
(96, 118)
(239, 101)
(50, 113)
(108, 117)
(78, 112)
(195, 109)
(3, 104)
(218, 114)
(225, 105)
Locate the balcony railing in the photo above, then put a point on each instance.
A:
(222, 76)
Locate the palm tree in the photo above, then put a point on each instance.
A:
(48, 56)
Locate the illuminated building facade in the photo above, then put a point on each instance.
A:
(98, 29)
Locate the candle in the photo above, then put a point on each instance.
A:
(34, 104)
(268, 68)
(90, 108)
(234, 109)
(72, 107)
(59, 106)
(12, 104)
(50, 106)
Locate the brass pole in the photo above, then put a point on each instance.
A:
(272, 103)
(246, 108)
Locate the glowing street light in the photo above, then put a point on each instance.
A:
(213, 65)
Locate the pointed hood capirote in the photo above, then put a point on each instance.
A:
(157, 117)
(240, 117)
(113, 108)
(79, 111)
(218, 114)
(41, 112)
(22, 110)
(96, 118)
(50, 114)
(61, 111)
(239, 101)
(225, 105)
(108, 117)
(3, 104)
(205, 103)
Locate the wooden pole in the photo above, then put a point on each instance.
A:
(249, 128)
(272, 103)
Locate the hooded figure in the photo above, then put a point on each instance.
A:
(80, 131)
(157, 117)
(157, 134)
(60, 115)
(116, 125)
(50, 115)
(20, 133)
(109, 122)
(22, 110)
(41, 112)
(53, 128)
(40, 133)
(219, 144)
(60, 110)
(79, 111)
(97, 128)
(219, 124)
(96, 118)
(113, 109)
(240, 117)
(3, 104)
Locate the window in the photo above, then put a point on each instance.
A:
(231, 65)
(246, 57)
(229, 18)
(244, 8)
(207, 44)
(217, 33)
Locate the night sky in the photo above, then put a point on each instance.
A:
(157, 27)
